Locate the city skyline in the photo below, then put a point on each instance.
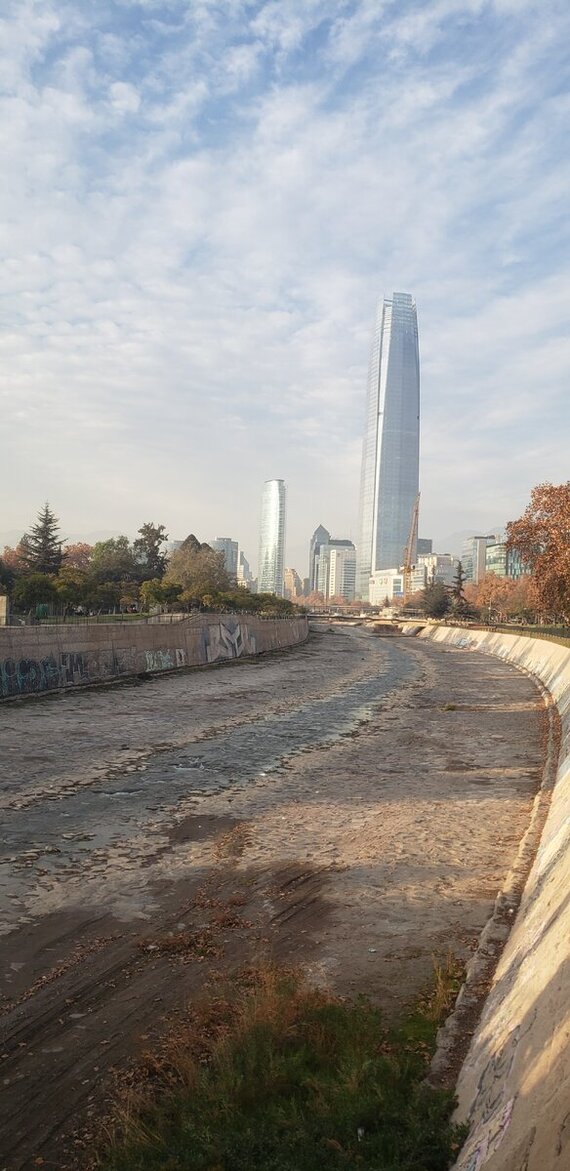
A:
(389, 481)
(454, 544)
(201, 206)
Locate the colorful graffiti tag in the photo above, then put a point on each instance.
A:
(165, 660)
(27, 676)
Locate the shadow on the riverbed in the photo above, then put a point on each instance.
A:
(92, 985)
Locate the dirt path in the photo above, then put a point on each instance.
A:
(352, 806)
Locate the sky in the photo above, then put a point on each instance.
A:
(202, 202)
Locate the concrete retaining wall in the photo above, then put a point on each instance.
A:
(514, 1088)
(34, 659)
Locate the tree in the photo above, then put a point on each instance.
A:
(435, 600)
(413, 604)
(78, 556)
(457, 587)
(191, 544)
(72, 587)
(35, 589)
(40, 549)
(337, 601)
(315, 600)
(105, 597)
(148, 548)
(155, 592)
(198, 570)
(541, 537)
(13, 558)
(129, 595)
(457, 592)
(495, 595)
(238, 600)
(114, 560)
(274, 606)
(522, 603)
(7, 577)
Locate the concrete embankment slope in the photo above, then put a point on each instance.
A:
(34, 659)
(514, 1088)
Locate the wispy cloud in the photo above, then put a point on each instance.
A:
(202, 204)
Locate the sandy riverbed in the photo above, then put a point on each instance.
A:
(357, 802)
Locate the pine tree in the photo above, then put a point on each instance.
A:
(435, 600)
(41, 548)
(458, 599)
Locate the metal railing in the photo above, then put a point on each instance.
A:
(559, 634)
(18, 620)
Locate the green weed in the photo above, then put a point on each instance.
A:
(278, 1076)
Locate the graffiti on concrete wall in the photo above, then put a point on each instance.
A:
(228, 640)
(165, 660)
(51, 668)
(473, 1157)
(493, 1110)
(26, 676)
(67, 669)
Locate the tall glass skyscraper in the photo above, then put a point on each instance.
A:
(391, 450)
(272, 538)
(321, 536)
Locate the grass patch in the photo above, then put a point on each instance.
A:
(271, 1074)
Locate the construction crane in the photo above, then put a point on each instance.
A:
(410, 548)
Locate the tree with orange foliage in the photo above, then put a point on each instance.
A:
(523, 601)
(541, 537)
(14, 558)
(314, 600)
(471, 594)
(78, 556)
(494, 596)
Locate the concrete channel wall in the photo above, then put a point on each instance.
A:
(34, 659)
(514, 1087)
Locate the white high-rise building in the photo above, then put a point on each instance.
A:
(336, 570)
(439, 568)
(473, 557)
(272, 538)
(390, 454)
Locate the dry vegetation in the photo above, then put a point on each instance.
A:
(271, 1073)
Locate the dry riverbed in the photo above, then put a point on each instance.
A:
(351, 806)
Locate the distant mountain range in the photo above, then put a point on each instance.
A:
(453, 542)
(12, 536)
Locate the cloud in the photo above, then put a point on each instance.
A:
(202, 204)
(124, 97)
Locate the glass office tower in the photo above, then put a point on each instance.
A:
(390, 455)
(229, 548)
(321, 536)
(272, 539)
